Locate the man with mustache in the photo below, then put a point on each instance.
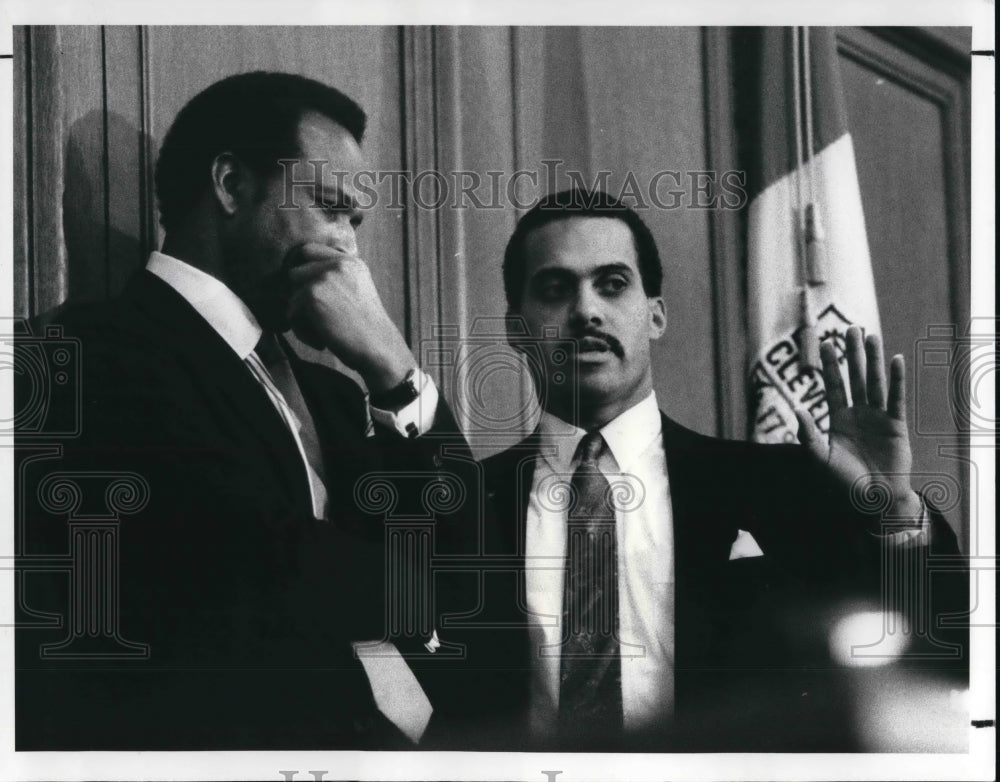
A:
(634, 610)
(256, 563)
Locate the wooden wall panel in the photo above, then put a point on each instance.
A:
(486, 380)
(420, 153)
(906, 112)
(129, 206)
(901, 152)
(21, 130)
(727, 236)
(65, 173)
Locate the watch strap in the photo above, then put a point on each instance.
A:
(399, 395)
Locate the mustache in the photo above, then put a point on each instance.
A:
(608, 339)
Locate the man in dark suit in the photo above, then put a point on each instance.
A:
(251, 560)
(659, 589)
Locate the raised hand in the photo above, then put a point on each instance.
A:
(869, 440)
(333, 303)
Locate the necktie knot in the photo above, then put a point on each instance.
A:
(269, 350)
(590, 449)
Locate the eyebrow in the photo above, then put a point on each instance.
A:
(607, 268)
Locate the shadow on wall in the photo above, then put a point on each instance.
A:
(103, 211)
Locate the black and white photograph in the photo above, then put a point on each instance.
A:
(436, 393)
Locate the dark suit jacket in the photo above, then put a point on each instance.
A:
(750, 634)
(248, 604)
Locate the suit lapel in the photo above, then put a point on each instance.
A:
(703, 535)
(697, 500)
(509, 486)
(170, 321)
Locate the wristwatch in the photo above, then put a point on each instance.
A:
(399, 396)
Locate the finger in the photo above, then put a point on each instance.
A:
(876, 371)
(809, 434)
(305, 253)
(312, 270)
(297, 298)
(309, 269)
(897, 388)
(856, 366)
(317, 251)
(836, 397)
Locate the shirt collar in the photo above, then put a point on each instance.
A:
(212, 299)
(627, 436)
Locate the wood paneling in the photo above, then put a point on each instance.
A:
(420, 153)
(906, 114)
(129, 194)
(475, 132)
(23, 218)
(63, 125)
(728, 228)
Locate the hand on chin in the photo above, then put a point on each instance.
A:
(272, 312)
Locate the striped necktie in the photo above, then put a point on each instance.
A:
(590, 676)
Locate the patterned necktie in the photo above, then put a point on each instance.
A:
(279, 369)
(590, 676)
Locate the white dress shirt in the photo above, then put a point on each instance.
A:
(635, 465)
(227, 314)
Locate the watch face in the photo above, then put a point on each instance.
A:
(400, 395)
(410, 386)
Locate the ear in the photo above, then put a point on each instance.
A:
(232, 182)
(657, 317)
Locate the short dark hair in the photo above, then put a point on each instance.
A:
(253, 115)
(577, 202)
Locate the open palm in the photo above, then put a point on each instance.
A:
(869, 442)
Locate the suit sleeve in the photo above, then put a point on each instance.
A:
(826, 539)
(246, 604)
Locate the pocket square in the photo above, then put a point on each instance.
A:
(744, 546)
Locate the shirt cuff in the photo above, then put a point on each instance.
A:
(417, 417)
(911, 537)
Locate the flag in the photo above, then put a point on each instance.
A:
(809, 271)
